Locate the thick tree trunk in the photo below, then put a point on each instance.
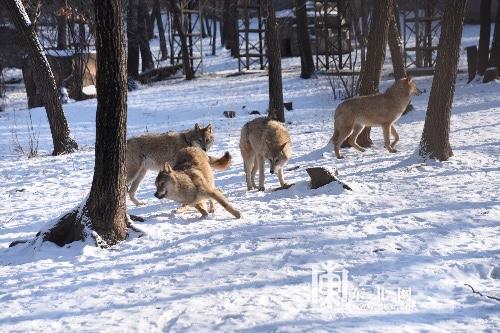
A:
(435, 141)
(105, 209)
(186, 61)
(304, 44)
(62, 35)
(161, 29)
(484, 36)
(61, 137)
(133, 39)
(276, 108)
(395, 44)
(495, 46)
(375, 55)
(146, 56)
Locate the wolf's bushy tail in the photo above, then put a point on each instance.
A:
(220, 198)
(220, 163)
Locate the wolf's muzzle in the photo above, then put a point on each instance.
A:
(159, 196)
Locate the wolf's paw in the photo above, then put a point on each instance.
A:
(262, 188)
(340, 157)
(137, 202)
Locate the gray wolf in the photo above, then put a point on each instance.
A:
(191, 181)
(264, 139)
(152, 151)
(382, 109)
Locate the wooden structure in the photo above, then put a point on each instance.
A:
(251, 34)
(421, 30)
(192, 22)
(331, 35)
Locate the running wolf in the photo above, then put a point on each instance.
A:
(152, 151)
(191, 181)
(354, 114)
(264, 139)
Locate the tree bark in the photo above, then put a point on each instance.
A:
(186, 61)
(276, 108)
(435, 141)
(304, 44)
(62, 35)
(375, 55)
(105, 209)
(484, 36)
(395, 44)
(133, 39)
(61, 136)
(214, 36)
(142, 24)
(495, 46)
(161, 29)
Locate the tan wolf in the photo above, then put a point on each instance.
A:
(191, 181)
(152, 151)
(354, 114)
(264, 139)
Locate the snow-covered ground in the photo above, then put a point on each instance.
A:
(420, 231)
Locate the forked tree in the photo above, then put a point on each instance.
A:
(395, 44)
(103, 215)
(44, 77)
(276, 107)
(435, 141)
(375, 55)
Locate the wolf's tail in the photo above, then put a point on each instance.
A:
(220, 198)
(220, 163)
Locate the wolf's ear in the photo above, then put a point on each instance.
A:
(283, 146)
(196, 127)
(209, 128)
(167, 168)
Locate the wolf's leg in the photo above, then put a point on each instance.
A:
(254, 171)
(211, 206)
(202, 210)
(387, 140)
(281, 178)
(260, 161)
(135, 184)
(181, 209)
(354, 136)
(220, 198)
(248, 165)
(395, 135)
(343, 133)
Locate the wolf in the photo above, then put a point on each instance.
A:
(152, 151)
(384, 109)
(191, 181)
(264, 139)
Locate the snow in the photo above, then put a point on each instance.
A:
(426, 226)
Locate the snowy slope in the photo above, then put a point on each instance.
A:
(428, 227)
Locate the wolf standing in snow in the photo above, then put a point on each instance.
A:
(191, 181)
(354, 114)
(152, 151)
(264, 139)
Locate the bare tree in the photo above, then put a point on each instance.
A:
(375, 55)
(435, 141)
(142, 30)
(304, 44)
(132, 39)
(276, 108)
(161, 29)
(104, 212)
(395, 44)
(61, 136)
(484, 36)
(186, 61)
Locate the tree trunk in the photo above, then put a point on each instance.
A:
(142, 24)
(304, 44)
(276, 108)
(435, 141)
(61, 137)
(395, 45)
(105, 209)
(161, 29)
(132, 38)
(484, 36)
(495, 46)
(375, 55)
(62, 35)
(82, 36)
(214, 36)
(186, 61)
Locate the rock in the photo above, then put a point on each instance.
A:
(288, 106)
(321, 176)
(229, 114)
(254, 112)
(490, 74)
